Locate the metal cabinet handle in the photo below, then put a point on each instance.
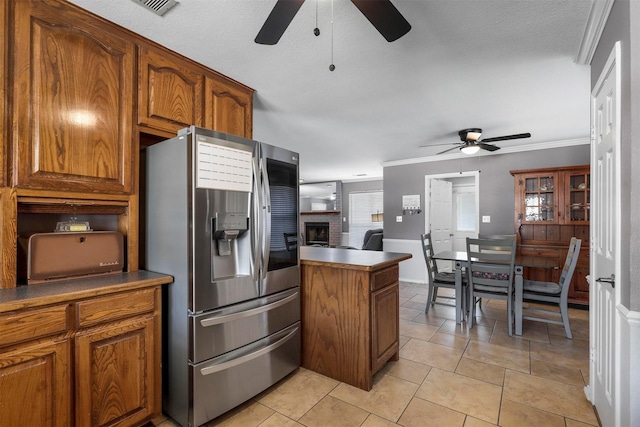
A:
(243, 359)
(610, 280)
(216, 320)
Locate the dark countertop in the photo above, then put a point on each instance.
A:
(354, 259)
(27, 296)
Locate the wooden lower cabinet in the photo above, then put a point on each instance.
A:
(35, 384)
(114, 373)
(88, 362)
(385, 306)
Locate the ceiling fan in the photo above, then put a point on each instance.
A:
(381, 13)
(471, 142)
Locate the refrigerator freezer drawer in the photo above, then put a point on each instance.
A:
(225, 382)
(220, 331)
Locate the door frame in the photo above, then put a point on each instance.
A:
(450, 175)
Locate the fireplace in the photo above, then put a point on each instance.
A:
(317, 233)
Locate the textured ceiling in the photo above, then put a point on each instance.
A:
(506, 66)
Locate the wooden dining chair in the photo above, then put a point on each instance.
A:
(554, 293)
(438, 279)
(490, 274)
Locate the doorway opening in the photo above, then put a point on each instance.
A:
(457, 219)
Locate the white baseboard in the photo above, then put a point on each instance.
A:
(629, 366)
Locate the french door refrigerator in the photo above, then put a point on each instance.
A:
(218, 209)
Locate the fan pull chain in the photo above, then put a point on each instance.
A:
(332, 67)
(316, 30)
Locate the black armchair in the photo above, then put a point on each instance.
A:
(372, 240)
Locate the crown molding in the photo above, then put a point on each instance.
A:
(598, 16)
(507, 150)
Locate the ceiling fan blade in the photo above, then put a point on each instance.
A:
(385, 17)
(450, 149)
(488, 147)
(278, 21)
(436, 145)
(507, 137)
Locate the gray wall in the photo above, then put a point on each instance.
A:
(624, 25)
(496, 186)
(349, 187)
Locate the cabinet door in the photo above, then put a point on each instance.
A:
(385, 333)
(72, 100)
(114, 373)
(577, 195)
(169, 91)
(35, 385)
(537, 198)
(228, 107)
(3, 93)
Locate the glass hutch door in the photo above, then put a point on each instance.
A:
(539, 199)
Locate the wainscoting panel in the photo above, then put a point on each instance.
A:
(414, 269)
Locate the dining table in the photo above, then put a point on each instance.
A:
(461, 261)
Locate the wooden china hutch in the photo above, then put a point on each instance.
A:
(551, 206)
(80, 99)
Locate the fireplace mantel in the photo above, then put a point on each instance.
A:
(320, 213)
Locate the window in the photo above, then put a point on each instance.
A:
(361, 206)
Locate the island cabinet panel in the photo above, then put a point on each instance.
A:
(170, 90)
(350, 312)
(335, 324)
(228, 107)
(72, 109)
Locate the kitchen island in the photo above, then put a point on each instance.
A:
(350, 312)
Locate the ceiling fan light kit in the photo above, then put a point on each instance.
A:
(470, 148)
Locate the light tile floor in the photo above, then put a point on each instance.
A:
(446, 376)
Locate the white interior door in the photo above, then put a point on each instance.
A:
(440, 208)
(605, 235)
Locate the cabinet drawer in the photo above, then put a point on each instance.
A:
(383, 278)
(541, 252)
(113, 307)
(32, 324)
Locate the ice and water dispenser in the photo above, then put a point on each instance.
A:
(227, 227)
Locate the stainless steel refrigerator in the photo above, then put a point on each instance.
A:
(219, 209)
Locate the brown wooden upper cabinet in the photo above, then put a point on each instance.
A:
(553, 196)
(228, 107)
(169, 91)
(72, 109)
(174, 93)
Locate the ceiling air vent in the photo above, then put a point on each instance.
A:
(159, 7)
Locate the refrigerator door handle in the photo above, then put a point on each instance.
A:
(256, 261)
(266, 217)
(216, 320)
(243, 359)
